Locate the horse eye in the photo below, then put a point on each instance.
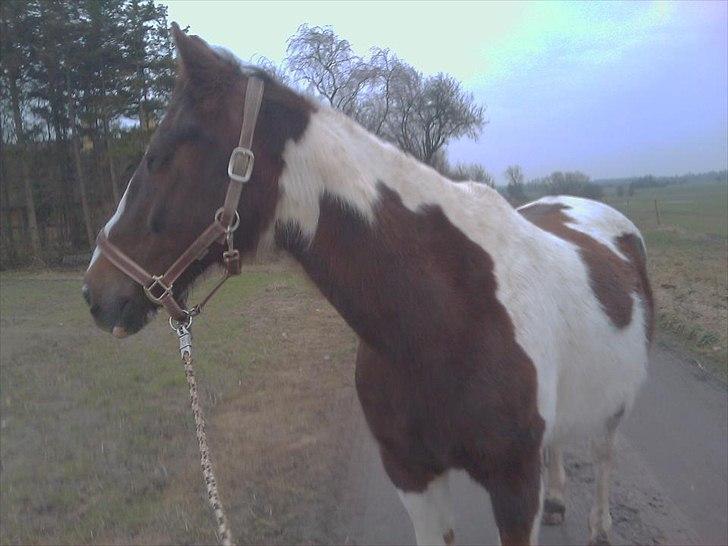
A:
(150, 161)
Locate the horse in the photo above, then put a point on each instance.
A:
(488, 335)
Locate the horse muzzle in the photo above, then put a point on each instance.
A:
(117, 304)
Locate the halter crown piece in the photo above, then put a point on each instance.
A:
(158, 288)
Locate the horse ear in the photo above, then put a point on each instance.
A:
(197, 61)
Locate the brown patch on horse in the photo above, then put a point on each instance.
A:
(211, 87)
(632, 247)
(440, 375)
(449, 538)
(612, 279)
(283, 117)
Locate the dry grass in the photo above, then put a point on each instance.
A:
(97, 440)
(688, 265)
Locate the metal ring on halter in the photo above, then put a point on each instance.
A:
(157, 282)
(236, 219)
(179, 324)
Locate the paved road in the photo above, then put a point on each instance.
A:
(670, 484)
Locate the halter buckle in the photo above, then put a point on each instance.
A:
(232, 262)
(241, 153)
(155, 285)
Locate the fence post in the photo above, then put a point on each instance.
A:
(657, 213)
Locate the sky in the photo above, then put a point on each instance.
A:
(613, 89)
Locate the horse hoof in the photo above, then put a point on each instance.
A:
(553, 512)
(552, 519)
(602, 539)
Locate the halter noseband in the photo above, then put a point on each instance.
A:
(158, 288)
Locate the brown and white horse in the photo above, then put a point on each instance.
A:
(488, 335)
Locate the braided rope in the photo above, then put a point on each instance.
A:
(223, 531)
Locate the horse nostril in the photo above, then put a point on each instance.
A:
(86, 291)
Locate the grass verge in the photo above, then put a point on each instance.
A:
(97, 440)
(688, 264)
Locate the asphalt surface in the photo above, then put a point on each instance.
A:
(670, 484)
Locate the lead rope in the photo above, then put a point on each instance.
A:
(185, 348)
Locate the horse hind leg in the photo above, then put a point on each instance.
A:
(554, 506)
(600, 519)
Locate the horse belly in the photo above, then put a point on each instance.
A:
(599, 375)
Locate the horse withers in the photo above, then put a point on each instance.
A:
(488, 335)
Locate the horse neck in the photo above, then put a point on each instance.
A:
(374, 228)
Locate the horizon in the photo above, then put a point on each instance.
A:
(613, 90)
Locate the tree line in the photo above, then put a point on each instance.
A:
(628, 186)
(83, 85)
(576, 183)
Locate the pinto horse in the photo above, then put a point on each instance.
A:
(488, 335)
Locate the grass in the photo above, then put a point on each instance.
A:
(697, 209)
(97, 439)
(688, 263)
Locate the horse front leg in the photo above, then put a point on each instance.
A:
(513, 480)
(516, 500)
(426, 497)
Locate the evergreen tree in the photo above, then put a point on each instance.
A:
(15, 48)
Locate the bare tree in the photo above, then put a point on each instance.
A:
(327, 64)
(572, 183)
(389, 75)
(474, 172)
(486, 179)
(429, 112)
(515, 189)
(514, 175)
(279, 72)
(386, 95)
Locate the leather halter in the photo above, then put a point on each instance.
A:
(158, 288)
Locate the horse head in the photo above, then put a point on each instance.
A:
(182, 180)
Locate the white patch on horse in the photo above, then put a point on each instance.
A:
(430, 511)
(315, 165)
(118, 212)
(601, 222)
(111, 222)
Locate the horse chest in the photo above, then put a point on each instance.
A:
(414, 411)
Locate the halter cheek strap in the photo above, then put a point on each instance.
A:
(158, 288)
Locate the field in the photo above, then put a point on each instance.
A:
(97, 438)
(688, 264)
